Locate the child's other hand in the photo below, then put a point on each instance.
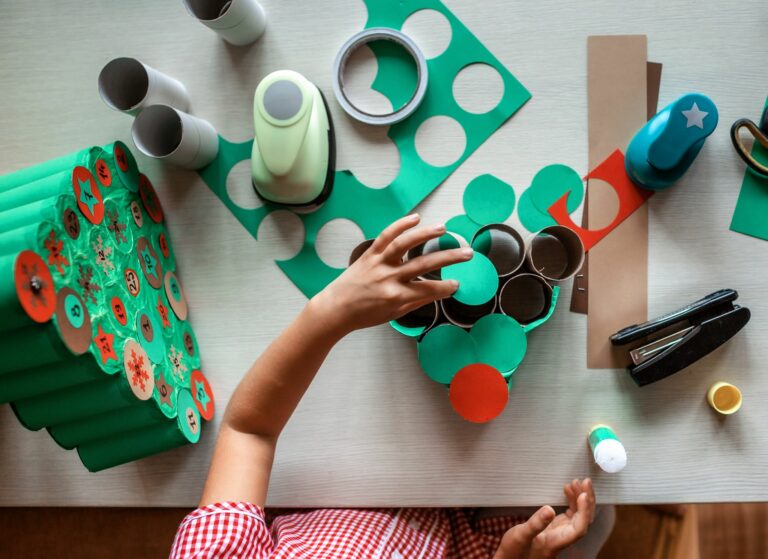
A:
(379, 286)
(545, 534)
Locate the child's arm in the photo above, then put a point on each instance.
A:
(375, 289)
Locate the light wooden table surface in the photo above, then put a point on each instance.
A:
(373, 429)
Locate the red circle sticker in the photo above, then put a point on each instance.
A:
(88, 195)
(478, 392)
(118, 310)
(122, 160)
(34, 286)
(149, 199)
(202, 394)
(162, 242)
(132, 282)
(103, 173)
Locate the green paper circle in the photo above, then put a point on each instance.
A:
(531, 218)
(488, 200)
(478, 281)
(447, 242)
(551, 183)
(74, 311)
(500, 342)
(460, 225)
(444, 350)
(156, 348)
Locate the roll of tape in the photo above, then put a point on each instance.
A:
(363, 38)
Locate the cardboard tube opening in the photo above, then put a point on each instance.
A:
(463, 315)
(123, 83)
(526, 298)
(503, 246)
(429, 247)
(556, 253)
(358, 251)
(423, 317)
(206, 10)
(157, 131)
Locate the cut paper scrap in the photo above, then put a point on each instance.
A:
(488, 200)
(479, 393)
(751, 214)
(373, 209)
(630, 197)
(478, 281)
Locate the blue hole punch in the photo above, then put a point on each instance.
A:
(663, 149)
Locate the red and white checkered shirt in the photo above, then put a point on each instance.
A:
(241, 530)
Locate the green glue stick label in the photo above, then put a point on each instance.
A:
(607, 449)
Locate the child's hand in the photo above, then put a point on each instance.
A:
(379, 286)
(545, 534)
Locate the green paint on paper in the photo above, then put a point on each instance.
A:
(551, 183)
(444, 350)
(478, 281)
(531, 218)
(751, 214)
(536, 323)
(373, 209)
(500, 341)
(488, 200)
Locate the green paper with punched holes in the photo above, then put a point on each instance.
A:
(488, 200)
(749, 217)
(444, 350)
(478, 281)
(500, 341)
(373, 209)
(535, 324)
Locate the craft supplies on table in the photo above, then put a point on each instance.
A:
(607, 450)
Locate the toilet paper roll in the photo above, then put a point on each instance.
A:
(128, 85)
(525, 297)
(463, 315)
(556, 253)
(239, 22)
(84, 157)
(169, 134)
(45, 379)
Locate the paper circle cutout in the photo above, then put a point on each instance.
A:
(188, 416)
(71, 223)
(488, 199)
(478, 393)
(150, 333)
(444, 350)
(440, 141)
(150, 263)
(551, 183)
(127, 169)
(149, 199)
(460, 225)
(73, 321)
(478, 281)
(501, 342)
(138, 370)
(531, 218)
(88, 196)
(190, 343)
(34, 286)
(478, 88)
(137, 214)
(175, 295)
(132, 282)
(202, 394)
(162, 242)
(103, 174)
(430, 30)
(118, 310)
(503, 246)
(165, 394)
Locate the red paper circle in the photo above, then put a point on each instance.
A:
(118, 310)
(478, 393)
(197, 382)
(103, 173)
(34, 286)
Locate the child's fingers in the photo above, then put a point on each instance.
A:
(409, 239)
(426, 291)
(591, 499)
(434, 261)
(393, 231)
(571, 496)
(536, 524)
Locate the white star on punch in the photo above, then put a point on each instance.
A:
(695, 116)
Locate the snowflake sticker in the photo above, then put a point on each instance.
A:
(85, 281)
(138, 370)
(55, 257)
(115, 227)
(177, 365)
(103, 254)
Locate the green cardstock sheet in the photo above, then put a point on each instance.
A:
(373, 209)
(752, 207)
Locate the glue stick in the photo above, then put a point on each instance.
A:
(607, 449)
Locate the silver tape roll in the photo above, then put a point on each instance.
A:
(368, 36)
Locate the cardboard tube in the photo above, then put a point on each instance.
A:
(239, 22)
(463, 315)
(27, 294)
(45, 379)
(166, 133)
(128, 86)
(31, 347)
(140, 443)
(433, 245)
(358, 251)
(418, 321)
(555, 252)
(41, 189)
(505, 249)
(34, 173)
(525, 297)
(724, 398)
(106, 425)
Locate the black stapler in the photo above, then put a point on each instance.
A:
(681, 337)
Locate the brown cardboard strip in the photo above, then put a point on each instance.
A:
(618, 267)
(580, 292)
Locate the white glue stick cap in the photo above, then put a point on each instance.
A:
(610, 455)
